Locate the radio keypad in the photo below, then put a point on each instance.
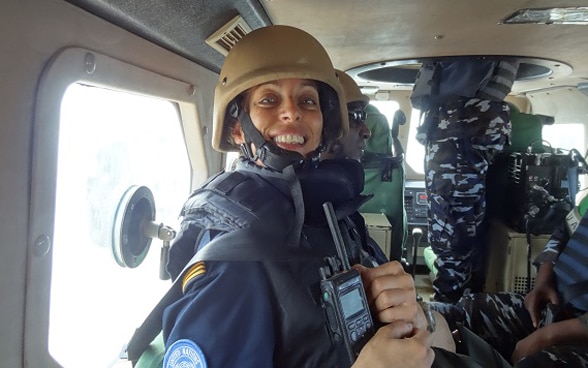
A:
(359, 326)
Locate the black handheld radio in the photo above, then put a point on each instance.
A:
(343, 298)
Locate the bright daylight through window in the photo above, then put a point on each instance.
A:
(414, 151)
(109, 141)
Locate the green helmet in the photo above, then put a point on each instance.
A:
(273, 53)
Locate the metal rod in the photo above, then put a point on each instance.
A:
(336, 233)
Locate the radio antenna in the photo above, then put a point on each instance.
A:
(336, 233)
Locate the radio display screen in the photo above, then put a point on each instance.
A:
(351, 302)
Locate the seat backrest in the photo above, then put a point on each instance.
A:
(526, 131)
(152, 357)
(380, 141)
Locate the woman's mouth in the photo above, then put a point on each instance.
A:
(289, 139)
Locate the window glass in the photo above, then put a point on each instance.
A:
(231, 160)
(109, 141)
(566, 136)
(415, 151)
(388, 108)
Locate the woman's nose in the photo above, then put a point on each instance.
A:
(290, 110)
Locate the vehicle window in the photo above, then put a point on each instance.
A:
(565, 136)
(231, 160)
(108, 141)
(415, 151)
(388, 108)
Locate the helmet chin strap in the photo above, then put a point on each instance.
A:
(271, 155)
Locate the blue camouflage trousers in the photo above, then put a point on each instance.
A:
(462, 138)
(501, 319)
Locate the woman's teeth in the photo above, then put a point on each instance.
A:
(289, 139)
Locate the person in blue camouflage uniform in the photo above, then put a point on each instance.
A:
(520, 327)
(466, 123)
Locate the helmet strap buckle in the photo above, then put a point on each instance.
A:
(247, 151)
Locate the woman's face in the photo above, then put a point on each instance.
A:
(286, 112)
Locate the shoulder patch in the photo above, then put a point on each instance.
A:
(194, 271)
(184, 354)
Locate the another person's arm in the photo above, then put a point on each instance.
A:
(543, 292)
(572, 331)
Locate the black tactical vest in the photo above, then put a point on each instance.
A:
(260, 216)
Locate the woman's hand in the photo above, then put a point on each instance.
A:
(391, 293)
(388, 349)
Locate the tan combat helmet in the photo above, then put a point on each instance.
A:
(273, 53)
(351, 89)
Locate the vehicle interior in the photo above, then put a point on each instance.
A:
(106, 128)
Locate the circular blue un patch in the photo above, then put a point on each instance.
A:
(184, 354)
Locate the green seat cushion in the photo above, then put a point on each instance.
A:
(388, 198)
(526, 131)
(152, 357)
(381, 138)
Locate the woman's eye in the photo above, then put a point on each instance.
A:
(267, 100)
(309, 101)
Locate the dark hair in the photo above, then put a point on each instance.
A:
(329, 103)
(231, 118)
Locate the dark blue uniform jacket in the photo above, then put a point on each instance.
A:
(262, 308)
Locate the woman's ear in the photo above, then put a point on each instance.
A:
(237, 134)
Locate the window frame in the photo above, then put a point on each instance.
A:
(78, 65)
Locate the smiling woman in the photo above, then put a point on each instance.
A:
(285, 236)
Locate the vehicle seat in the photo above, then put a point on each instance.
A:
(152, 357)
(526, 131)
(385, 177)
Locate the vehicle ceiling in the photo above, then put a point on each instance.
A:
(358, 33)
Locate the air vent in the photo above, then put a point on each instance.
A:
(228, 35)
